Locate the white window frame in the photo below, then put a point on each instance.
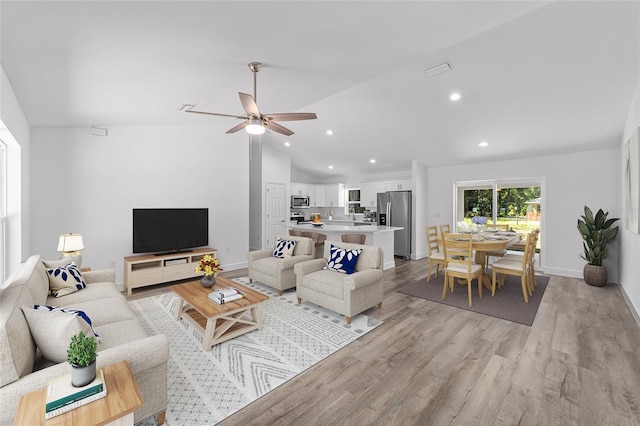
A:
(502, 183)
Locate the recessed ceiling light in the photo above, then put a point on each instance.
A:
(331, 167)
(329, 132)
(483, 144)
(372, 161)
(455, 96)
(287, 144)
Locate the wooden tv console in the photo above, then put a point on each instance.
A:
(149, 269)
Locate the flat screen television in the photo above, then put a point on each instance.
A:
(162, 231)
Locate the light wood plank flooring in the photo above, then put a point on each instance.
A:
(431, 364)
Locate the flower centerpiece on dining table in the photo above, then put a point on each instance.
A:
(210, 266)
(478, 222)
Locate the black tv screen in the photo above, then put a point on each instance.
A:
(169, 230)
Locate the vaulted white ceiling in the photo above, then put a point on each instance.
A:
(536, 78)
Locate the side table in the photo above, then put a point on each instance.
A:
(123, 398)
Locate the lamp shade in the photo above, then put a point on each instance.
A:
(70, 243)
(255, 127)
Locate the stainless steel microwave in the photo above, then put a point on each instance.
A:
(300, 201)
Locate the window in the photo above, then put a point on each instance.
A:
(514, 202)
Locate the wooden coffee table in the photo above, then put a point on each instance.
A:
(218, 323)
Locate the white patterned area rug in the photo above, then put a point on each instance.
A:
(204, 387)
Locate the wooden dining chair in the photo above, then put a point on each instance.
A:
(532, 257)
(445, 229)
(295, 233)
(436, 257)
(353, 238)
(496, 253)
(521, 269)
(458, 255)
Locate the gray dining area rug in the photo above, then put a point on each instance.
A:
(507, 304)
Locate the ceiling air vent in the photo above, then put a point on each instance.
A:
(184, 107)
(438, 69)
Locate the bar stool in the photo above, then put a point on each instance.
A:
(353, 238)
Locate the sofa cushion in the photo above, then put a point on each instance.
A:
(118, 310)
(65, 279)
(119, 333)
(26, 286)
(268, 265)
(52, 329)
(284, 248)
(93, 292)
(325, 282)
(342, 260)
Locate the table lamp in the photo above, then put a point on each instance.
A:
(70, 245)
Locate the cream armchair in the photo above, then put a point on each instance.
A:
(275, 272)
(346, 294)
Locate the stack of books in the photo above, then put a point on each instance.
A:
(62, 396)
(225, 295)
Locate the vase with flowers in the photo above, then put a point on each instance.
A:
(210, 266)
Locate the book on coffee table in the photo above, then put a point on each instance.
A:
(227, 294)
(62, 396)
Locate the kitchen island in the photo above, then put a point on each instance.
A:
(381, 236)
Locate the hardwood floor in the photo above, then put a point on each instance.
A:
(431, 364)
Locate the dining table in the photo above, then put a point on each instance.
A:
(487, 242)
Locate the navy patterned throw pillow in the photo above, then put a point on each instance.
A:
(65, 280)
(342, 260)
(284, 248)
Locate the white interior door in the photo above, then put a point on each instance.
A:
(276, 214)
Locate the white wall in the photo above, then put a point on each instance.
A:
(89, 184)
(572, 181)
(630, 242)
(15, 132)
(420, 206)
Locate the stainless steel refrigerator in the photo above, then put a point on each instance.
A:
(394, 209)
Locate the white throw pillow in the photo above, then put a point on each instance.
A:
(284, 248)
(65, 280)
(52, 329)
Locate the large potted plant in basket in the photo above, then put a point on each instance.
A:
(597, 232)
(82, 354)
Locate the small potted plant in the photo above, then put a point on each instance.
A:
(82, 354)
(597, 233)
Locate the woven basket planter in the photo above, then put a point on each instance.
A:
(595, 275)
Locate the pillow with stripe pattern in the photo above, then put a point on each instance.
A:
(342, 260)
(52, 327)
(65, 280)
(284, 248)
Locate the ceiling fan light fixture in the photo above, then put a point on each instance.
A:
(255, 127)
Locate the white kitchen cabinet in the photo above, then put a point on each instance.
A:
(335, 195)
(369, 193)
(318, 195)
(299, 188)
(398, 185)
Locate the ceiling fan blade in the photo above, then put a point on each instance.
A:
(238, 127)
(249, 104)
(270, 125)
(292, 116)
(216, 114)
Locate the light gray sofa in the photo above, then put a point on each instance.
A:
(346, 294)
(275, 272)
(23, 369)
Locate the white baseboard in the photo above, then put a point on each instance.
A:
(630, 305)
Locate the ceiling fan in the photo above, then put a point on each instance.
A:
(254, 122)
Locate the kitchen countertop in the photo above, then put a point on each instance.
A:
(344, 228)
